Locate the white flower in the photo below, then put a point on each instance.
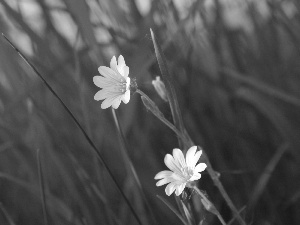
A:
(114, 83)
(183, 170)
(160, 88)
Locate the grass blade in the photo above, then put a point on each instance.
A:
(263, 88)
(266, 175)
(173, 101)
(131, 168)
(172, 209)
(6, 215)
(42, 188)
(99, 156)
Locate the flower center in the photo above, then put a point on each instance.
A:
(187, 172)
(122, 86)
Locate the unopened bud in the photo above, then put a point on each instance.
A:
(160, 88)
(209, 206)
(150, 105)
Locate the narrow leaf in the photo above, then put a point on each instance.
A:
(172, 209)
(168, 80)
(42, 188)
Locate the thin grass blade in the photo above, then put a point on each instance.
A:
(168, 80)
(6, 215)
(172, 209)
(89, 140)
(42, 188)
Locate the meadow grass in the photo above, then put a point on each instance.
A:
(232, 79)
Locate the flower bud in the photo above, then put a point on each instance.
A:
(209, 206)
(160, 88)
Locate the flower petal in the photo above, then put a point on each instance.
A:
(109, 101)
(109, 92)
(163, 174)
(121, 61)
(110, 74)
(106, 103)
(200, 167)
(116, 103)
(196, 159)
(127, 82)
(179, 157)
(170, 188)
(103, 82)
(196, 176)
(102, 94)
(190, 155)
(164, 181)
(170, 163)
(179, 189)
(113, 63)
(126, 97)
(99, 96)
(125, 71)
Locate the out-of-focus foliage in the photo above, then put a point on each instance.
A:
(237, 76)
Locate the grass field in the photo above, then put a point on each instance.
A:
(234, 67)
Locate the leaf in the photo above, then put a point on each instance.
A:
(168, 80)
(187, 214)
(172, 209)
(150, 105)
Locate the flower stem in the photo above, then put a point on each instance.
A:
(159, 115)
(215, 178)
(131, 168)
(173, 101)
(214, 209)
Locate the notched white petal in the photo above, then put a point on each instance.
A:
(179, 157)
(113, 63)
(125, 71)
(163, 174)
(179, 189)
(190, 155)
(116, 103)
(107, 103)
(196, 158)
(200, 167)
(126, 97)
(164, 181)
(170, 188)
(109, 73)
(196, 176)
(100, 95)
(121, 61)
(169, 161)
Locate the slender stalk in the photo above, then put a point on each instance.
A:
(42, 188)
(6, 215)
(99, 156)
(173, 101)
(216, 212)
(172, 209)
(215, 178)
(124, 152)
(162, 118)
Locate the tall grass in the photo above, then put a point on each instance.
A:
(237, 86)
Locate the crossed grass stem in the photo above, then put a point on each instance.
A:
(188, 142)
(89, 140)
(128, 162)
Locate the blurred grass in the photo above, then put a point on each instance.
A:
(238, 90)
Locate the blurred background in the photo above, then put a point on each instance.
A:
(236, 71)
